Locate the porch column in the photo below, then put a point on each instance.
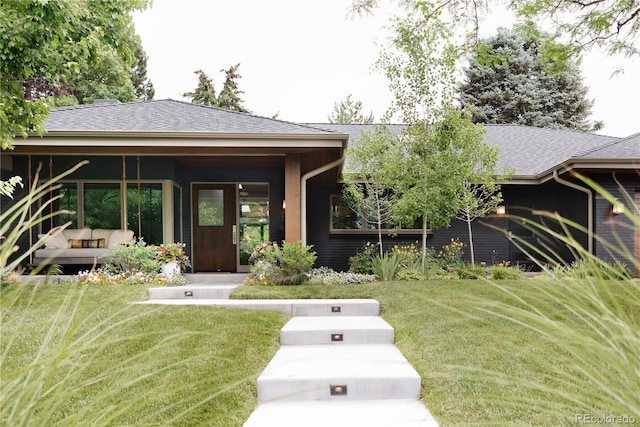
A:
(292, 230)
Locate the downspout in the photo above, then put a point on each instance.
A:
(589, 207)
(303, 192)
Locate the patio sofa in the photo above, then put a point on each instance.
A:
(80, 246)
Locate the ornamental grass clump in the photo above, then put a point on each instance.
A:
(588, 312)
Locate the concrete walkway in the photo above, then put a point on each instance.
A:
(337, 365)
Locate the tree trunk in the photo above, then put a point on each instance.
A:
(424, 242)
(471, 250)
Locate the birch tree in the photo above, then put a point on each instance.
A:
(441, 148)
(369, 179)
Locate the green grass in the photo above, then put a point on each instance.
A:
(486, 356)
(84, 356)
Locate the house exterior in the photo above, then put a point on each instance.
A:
(222, 181)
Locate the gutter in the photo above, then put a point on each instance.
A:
(303, 192)
(589, 206)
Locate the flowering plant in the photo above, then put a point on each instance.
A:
(173, 252)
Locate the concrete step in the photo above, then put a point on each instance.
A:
(336, 330)
(294, 307)
(192, 292)
(369, 413)
(215, 278)
(329, 372)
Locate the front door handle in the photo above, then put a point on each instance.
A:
(234, 238)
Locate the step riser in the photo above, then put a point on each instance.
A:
(370, 413)
(190, 292)
(357, 389)
(336, 309)
(371, 336)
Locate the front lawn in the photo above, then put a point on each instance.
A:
(76, 355)
(480, 366)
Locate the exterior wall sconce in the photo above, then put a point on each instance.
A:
(501, 210)
(617, 208)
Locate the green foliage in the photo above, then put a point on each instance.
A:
(594, 268)
(108, 79)
(20, 217)
(523, 76)
(46, 44)
(362, 261)
(505, 272)
(349, 111)
(371, 178)
(471, 272)
(135, 256)
(613, 25)
(451, 254)
(143, 87)
(386, 267)
(410, 260)
(286, 265)
(228, 99)
(84, 355)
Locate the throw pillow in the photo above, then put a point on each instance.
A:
(86, 243)
(59, 241)
(100, 233)
(120, 237)
(77, 233)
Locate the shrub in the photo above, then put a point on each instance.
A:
(362, 261)
(505, 272)
(471, 272)
(135, 256)
(289, 265)
(410, 273)
(596, 268)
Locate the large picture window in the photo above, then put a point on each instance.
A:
(144, 211)
(100, 205)
(345, 219)
(68, 202)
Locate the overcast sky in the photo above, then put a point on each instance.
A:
(298, 58)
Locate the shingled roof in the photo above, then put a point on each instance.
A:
(626, 148)
(165, 116)
(532, 152)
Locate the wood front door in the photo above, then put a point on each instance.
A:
(214, 226)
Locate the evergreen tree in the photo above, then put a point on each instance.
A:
(205, 92)
(142, 85)
(521, 76)
(228, 99)
(349, 111)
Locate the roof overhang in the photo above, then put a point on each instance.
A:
(173, 143)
